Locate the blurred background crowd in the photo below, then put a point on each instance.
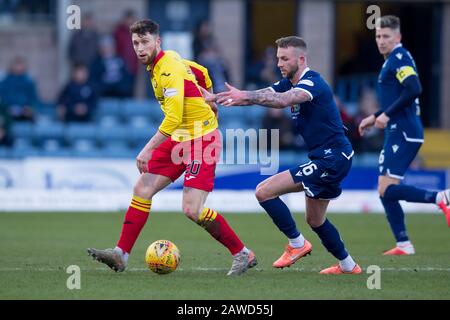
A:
(99, 100)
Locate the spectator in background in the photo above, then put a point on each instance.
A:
(211, 58)
(78, 100)
(264, 72)
(203, 38)
(207, 53)
(109, 72)
(372, 141)
(124, 45)
(83, 45)
(277, 119)
(18, 92)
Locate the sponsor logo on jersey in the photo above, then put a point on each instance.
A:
(170, 92)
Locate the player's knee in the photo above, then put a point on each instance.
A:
(262, 193)
(191, 212)
(314, 222)
(143, 191)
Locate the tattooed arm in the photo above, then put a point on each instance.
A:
(265, 97)
(272, 99)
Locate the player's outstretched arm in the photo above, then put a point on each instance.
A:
(265, 97)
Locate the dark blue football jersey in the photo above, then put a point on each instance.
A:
(398, 66)
(317, 120)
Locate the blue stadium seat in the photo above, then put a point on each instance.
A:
(254, 115)
(48, 130)
(22, 130)
(51, 145)
(108, 106)
(117, 149)
(106, 134)
(108, 121)
(85, 148)
(23, 143)
(139, 121)
(5, 152)
(80, 131)
(143, 131)
(23, 152)
(149, 109)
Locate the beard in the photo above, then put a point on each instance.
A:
(151, 57)
(148, 59)
(290, 75)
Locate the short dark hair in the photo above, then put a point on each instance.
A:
(291, 41)
(390, 21)
(142, 27)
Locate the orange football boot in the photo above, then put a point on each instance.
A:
(397, 252)
(445, 205)
(291, 255)
(336, 269)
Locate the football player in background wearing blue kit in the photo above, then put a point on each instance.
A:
(317, 119)
(398, 91)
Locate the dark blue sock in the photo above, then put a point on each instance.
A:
(331, 240)
(281, 216)
(409, 193)
(396, 218)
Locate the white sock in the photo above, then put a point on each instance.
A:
(439, 197)
(406, 246)
(297, 242)
(347, 264)
(122, 253)
(244, 249)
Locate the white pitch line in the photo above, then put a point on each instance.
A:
(47, 269)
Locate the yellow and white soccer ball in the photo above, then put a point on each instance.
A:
(162, 257)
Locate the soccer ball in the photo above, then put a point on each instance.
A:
(162, 257)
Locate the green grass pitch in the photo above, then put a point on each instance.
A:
(36, 249)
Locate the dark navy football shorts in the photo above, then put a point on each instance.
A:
(321, 178)
(398, 152)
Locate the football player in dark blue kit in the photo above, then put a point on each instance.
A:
(398, 91)
(317, 119)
